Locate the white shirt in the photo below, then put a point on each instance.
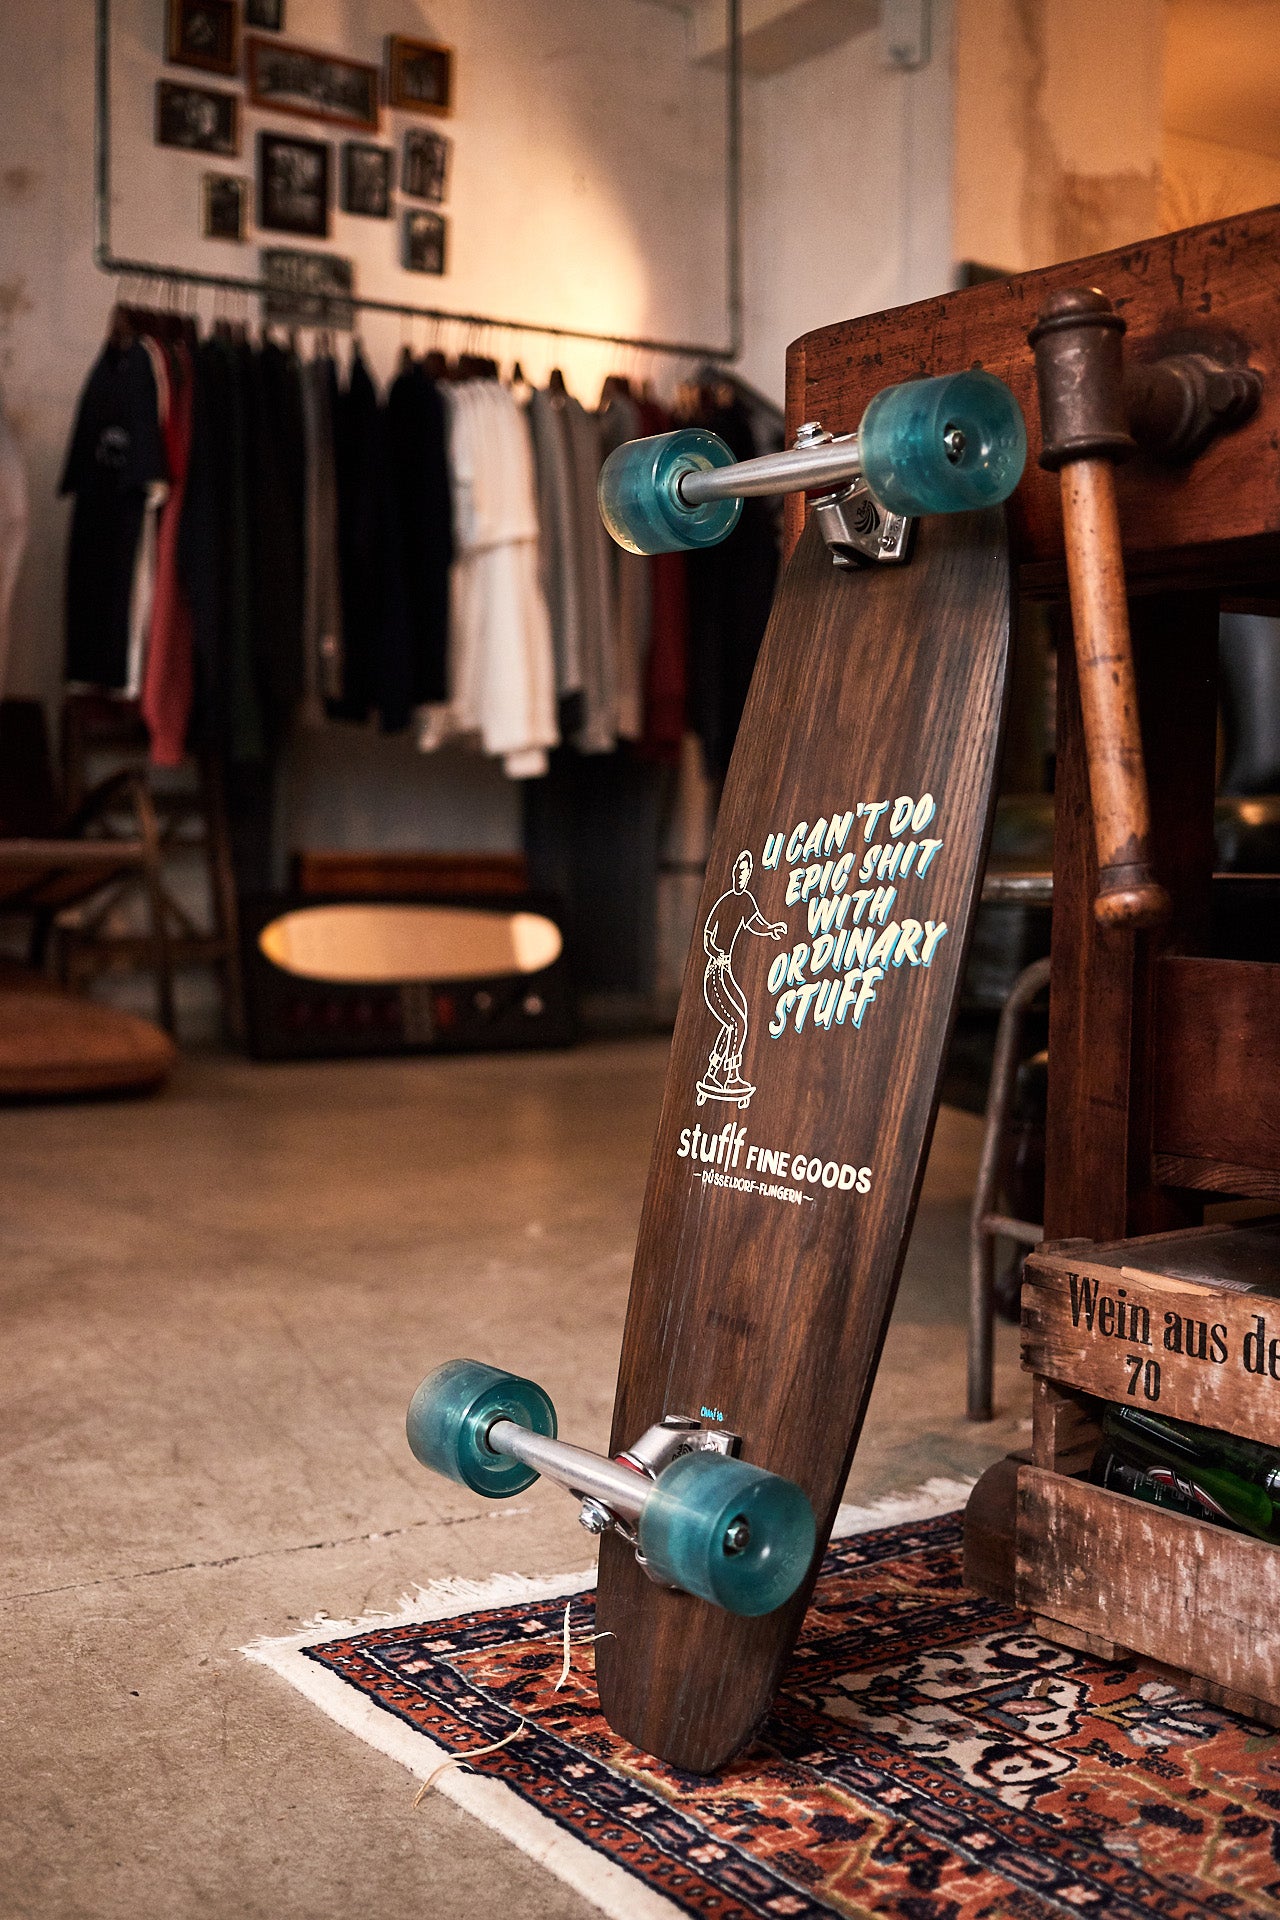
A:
(501, 662)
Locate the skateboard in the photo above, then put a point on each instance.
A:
(803, 1083)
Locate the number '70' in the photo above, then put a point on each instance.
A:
(1148, 1371)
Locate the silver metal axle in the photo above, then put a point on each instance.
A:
(586, 1475)
(806, 467)
(828, 467)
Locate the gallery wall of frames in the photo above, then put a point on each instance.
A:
(375, 144)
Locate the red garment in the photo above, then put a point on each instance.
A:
(169, 676)
(666, 670)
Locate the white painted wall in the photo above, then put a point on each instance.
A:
(848, 202)
(1057, 136)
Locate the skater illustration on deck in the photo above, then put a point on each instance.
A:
(732, 913)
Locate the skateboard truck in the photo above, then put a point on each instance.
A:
(1093, 413)
(946, 445)
(700, 1519)
(855, 529)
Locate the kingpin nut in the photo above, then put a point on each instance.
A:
(595, 1516)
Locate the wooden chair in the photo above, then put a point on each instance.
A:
(54, 857)
(190, 818)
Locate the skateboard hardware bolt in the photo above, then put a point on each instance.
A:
(737, 1536)
(595, 1517)
(811, 434)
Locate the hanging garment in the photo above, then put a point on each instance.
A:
(322, 586)
(418, 468)
(276, 485)
(214, 557)
(360, 496)
(219, 563)
(203, 544)
(502, 667)
(115, 455)
(168, 676)
(393, 661)
(666, 670)
(598, 732)
(730, 593)
(142, 595)
(14, 510)
(630, 583)
(558, 545)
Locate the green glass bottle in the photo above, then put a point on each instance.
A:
(1237, 1478)
(1162, 1487)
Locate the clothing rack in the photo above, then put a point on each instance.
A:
(111, 263)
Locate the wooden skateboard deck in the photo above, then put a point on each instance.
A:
(804, 1076)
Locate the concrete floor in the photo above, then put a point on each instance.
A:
(215, 1305)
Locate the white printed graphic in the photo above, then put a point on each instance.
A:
(733, 913)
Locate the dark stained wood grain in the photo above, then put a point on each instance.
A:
(1099, 1179)
(1065, 1427)
(1201, 1342)
(793, 504)
(870, 685)
(1191, 1595)
(1090, 1011)
(1216, 1176)
(1107, 688)
(1213, 288)
(990, 1531)
(1217, 1062)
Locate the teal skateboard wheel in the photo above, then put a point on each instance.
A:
(943, 446)
(728, 1532)
(639, 495)
(453, 1410)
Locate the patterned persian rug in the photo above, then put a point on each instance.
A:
(928, 1756)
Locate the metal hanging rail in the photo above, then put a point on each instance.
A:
(112, 263)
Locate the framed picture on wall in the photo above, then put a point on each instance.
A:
(293, 185)
(319, 86)
(419, 75)
(307, 289)
(267, 14)
(424, 241)
(425, 169)
(366, 179)
(204, 33)
(225, 200)
(199, 118)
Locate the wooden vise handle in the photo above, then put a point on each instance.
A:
(1082, 413)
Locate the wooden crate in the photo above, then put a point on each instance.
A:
(1160, 1322)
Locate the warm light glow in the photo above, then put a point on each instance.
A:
(367, 943)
